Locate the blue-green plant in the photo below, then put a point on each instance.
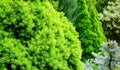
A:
(89, 65)
(107, 59)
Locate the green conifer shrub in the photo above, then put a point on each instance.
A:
(89, 28)
(33, 36)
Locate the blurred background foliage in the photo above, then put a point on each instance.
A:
(110, 17)
(100, 4)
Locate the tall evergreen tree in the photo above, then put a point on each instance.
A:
(89, 28)
(83, 27)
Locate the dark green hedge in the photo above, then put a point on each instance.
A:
(33, 36)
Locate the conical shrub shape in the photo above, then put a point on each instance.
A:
(89, 28)
(96, 26)
(33, 36)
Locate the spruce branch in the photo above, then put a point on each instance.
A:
(107, 59)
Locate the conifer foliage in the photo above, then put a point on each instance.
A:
(84, 17)
(89, 28)
(107, 59)
(33, 36)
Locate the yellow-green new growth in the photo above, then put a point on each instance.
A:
(36, 37)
